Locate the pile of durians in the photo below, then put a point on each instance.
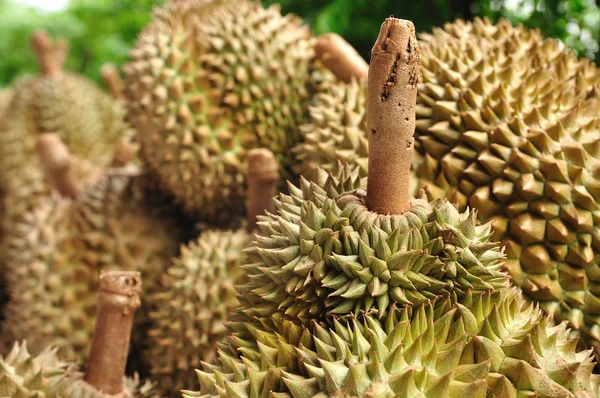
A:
(254, 211)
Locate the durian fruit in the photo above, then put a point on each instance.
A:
(87, 120)
(335, 131)
(24, 375)
(352, 293)
(507, 124)
(5, 97)
(198, 289)
(492, 345)
(210, 80)
(53, 254)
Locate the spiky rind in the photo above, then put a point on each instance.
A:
(325, 254)
(335, 131)
(45, 375)
(209, 81)
(195, 300)
(507, 124)
(493, 344)
(54, 255)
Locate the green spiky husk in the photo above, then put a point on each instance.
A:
(507, 124)
(54, 255)
(209, 81)
(493, 344)
(326, 254)
(195, 300)
(335, 131)
(45, 375)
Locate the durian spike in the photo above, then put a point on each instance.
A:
(125, 151)
(262, 176)
(118, 299)
(57, 163)
(112, 80)
(394, 75)
(341, 58)
(45, 53)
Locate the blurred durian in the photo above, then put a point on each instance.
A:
(52, 256)
(211, 80)
(198, 290)
(24, 375)
(90, 122)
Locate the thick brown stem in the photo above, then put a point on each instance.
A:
(61, 52)
(341, 58)
(118, 299)
(57, 164)
(394, 75)
(45, 53)
(262, 177)
(125, 151)
(113, 81)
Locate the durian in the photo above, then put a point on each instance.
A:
(87, 120)
(45, 375)
(210, 80)
(52, 256)
(507, 123)
(352, 293)
(335, 131)
(198, 290)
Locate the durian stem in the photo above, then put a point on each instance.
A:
(61, 52)
(57, 163)
(118, 299)
(394, 75)
(45, 53)
(262, 177)
(341, 58)
(112, 80)
(125, 151)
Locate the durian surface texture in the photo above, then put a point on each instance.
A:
(343, 302)
(86, 119)
(52, 258)
(195, 300)
(507, 123)
(210, 80)
(23, 375)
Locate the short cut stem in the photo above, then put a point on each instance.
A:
(262, 177)
(57, 163)
(112, 80)
(118, 299)
(341, 58)
(394, 75)
(45, 53)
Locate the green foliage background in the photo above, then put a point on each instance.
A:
(103, 30)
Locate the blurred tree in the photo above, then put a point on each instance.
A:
(103, 30)
(98, 30)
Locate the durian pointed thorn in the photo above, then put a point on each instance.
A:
(57, 163)
(341, 58)
(125, 151)
(394, 74)
(262, 176)
(45, 53)
(112, 80)
(118, 299)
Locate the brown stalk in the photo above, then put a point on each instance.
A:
(394, 75)
(340, 57)
(262, 177)
(124, 152)
(118, 299)
(113, 81)
(44, 51)
(57, 163)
